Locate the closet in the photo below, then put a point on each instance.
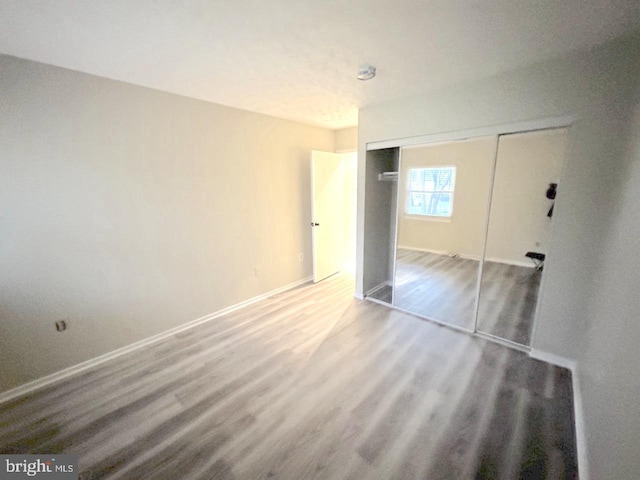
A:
(381, 194)
(457, 231)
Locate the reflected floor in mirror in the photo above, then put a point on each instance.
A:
(384, 294)
(508, 299)
(436, 286)
(443, 288)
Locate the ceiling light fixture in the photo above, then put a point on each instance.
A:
(366, 72)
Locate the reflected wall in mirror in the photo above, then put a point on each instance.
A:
(527, 168)
(444, 190)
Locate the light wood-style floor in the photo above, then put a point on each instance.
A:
(308, 384)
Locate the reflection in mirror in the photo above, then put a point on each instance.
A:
(524, 188)
(442, 204)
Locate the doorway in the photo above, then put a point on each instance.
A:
(333, 213)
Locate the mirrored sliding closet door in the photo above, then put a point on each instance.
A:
(458, 232)
(443, 193)
(526, 181)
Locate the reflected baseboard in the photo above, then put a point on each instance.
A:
(440, 252)
(377, 288)
(517, 263)
(506, 261)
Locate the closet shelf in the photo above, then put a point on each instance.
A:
(388, 176)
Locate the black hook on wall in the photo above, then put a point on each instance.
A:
(551, 195)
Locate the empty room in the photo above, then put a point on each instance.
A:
(366, 239)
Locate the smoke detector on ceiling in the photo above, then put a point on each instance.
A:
(366, 72)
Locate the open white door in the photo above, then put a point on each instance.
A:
(327, 205)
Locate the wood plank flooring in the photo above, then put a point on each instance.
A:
(308, 384)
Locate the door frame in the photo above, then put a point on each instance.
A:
(314, 225)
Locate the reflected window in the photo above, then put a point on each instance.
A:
(431, 191)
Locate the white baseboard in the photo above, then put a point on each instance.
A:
(418, 249)
(74, 369)
(439, 252)
(553, 359)
(581, 431)
(578, 408)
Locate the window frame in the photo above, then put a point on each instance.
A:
(409, 191)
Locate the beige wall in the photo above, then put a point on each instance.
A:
(350, 169)
(526, 164)
(346, 139)
(127, 211)
(609, 361)
(463, 233)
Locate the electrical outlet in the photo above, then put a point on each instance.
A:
(61, 325)
(300, 256)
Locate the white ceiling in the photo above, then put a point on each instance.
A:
(297, 59)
